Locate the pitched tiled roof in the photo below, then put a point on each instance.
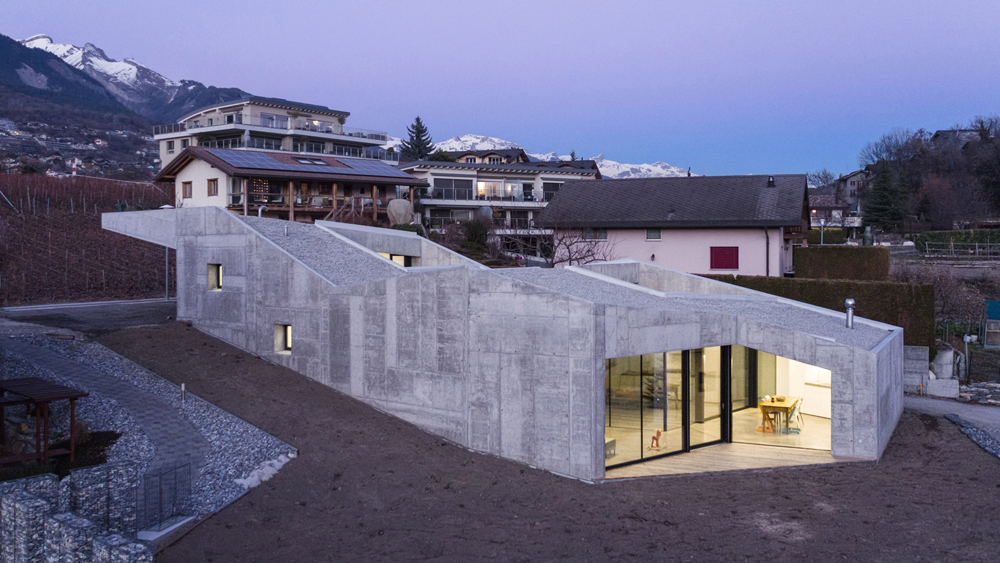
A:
(684, 202)
(268, 164)
(512, 154)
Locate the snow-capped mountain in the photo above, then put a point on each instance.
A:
(608, 168)
(136, 86)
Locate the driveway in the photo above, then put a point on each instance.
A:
(96, 318)
(983, 416)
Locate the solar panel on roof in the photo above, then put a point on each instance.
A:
(262, 161)
(374, 168)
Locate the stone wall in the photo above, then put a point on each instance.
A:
(88, 516)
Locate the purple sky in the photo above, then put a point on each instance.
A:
(759, 87)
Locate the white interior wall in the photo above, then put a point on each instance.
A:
(791, 380)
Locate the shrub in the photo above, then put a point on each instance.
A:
(910, 306)
(476, 234)
(842, 263)
(411, 228)
(829, 236)
(966, 236)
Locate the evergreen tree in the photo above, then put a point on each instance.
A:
(886, 206)
(572, 155)
(441, 156)
(419, 146)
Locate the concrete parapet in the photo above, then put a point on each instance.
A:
(157, 226)
(942, 388)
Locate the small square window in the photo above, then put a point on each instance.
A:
(652, 234)
(213, 187)
(214, 277)
(186, 190)
(184, 143)
(470, 160)
(283, 339)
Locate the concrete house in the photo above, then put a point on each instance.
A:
(741, 225)
(271, 124)
(583, 371)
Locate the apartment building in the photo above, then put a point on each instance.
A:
(497, 156)
(270, 124)
(511, 194)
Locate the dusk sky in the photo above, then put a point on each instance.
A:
(759, 87)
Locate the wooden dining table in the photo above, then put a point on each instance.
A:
(783, 408)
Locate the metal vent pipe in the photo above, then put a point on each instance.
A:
(849, 305)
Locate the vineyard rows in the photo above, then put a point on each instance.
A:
(52, 247)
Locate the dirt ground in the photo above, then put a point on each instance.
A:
(369, 487)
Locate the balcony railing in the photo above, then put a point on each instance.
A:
(471, 194)
(310, 148)
(169, 128)
(289, 124)
(366, 134)
(517, 223)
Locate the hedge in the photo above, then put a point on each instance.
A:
(411, 228)
(966, 236)
(842, 263)
(828, 236)
(910, 306)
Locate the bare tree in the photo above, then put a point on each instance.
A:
(573, 247)
(895, 146)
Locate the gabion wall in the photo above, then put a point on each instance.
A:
(89, 516)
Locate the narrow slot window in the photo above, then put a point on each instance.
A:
(214, 277)
(283, 339)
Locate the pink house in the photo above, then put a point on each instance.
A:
(701, 225)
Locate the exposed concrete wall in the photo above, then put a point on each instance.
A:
(405, 243)
(378, 239)
(449, 350)
(662, 279)
(157, 226)
(491, 363)
(889, 383)
(916, 368)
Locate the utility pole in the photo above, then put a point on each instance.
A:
(166, 273)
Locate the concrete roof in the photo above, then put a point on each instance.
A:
(340, 261)
(781, 313)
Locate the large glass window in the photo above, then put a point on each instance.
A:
(705, 395)
(273, 120)
(778, 401)
(659, 404)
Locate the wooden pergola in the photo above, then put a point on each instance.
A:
(36, 394)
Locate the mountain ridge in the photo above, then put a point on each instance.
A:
(136, 86)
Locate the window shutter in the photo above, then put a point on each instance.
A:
(725, 258)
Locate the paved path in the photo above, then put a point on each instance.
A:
(96, 318)
(177, 441)
(983, 416)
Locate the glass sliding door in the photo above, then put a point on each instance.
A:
(662, 430)
(705, 396)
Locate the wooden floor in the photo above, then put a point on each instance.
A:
(726, 457)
